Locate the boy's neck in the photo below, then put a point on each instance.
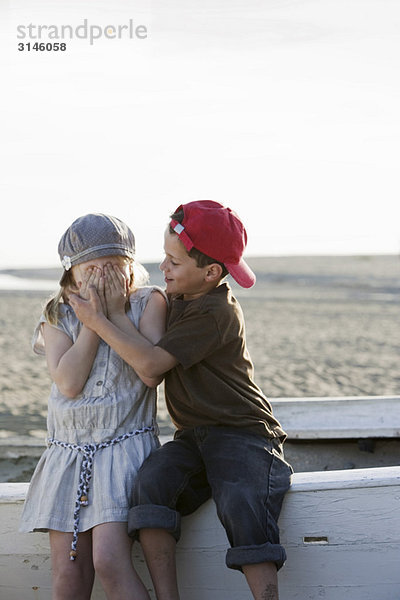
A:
(201, 293)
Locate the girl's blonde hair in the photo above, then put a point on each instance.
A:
(139, 277)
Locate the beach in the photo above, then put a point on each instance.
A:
(316, 326)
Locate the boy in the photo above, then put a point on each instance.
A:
(227, 444)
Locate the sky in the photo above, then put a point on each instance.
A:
(287, 111)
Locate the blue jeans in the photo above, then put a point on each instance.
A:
(246, 475)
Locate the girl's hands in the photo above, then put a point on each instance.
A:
(89, 279)
(101, 291)
(116, 290)
(94, 279)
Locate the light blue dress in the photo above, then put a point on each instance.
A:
(113, 402)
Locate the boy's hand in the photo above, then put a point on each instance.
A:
(90, 310)
(115, 290)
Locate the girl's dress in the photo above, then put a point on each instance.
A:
(97, 441)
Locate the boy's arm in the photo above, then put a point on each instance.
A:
(148, 360)
(151, 326)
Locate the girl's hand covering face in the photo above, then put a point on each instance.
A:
(90, 278)
(109, 279)
(116, 288)
(94, 278)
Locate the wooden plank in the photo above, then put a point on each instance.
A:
(348, 478)
(339, 418)
(13, 492)
(341, 542)
(340, 528)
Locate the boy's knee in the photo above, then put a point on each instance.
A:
(151, 517)
(231, 504)
(245, 518)
(147, 484)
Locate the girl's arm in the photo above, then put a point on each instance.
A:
(70, 363)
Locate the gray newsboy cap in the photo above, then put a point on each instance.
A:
(95, 235)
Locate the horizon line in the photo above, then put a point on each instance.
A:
(246, 257)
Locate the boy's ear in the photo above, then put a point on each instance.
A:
(213, 272)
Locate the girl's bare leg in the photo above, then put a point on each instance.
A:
(72, 580)
(112, 558)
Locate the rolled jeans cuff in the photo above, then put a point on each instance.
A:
(253, 555)
(153, 516)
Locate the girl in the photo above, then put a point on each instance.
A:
(101, 419)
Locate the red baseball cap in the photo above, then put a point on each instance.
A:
(218, 232)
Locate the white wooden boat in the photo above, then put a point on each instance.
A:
(354, 417)
(341, 529)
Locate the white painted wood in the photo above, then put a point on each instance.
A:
(339, 418)
(341, 530)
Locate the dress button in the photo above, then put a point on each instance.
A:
(99, 382)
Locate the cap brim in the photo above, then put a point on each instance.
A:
(242, 273)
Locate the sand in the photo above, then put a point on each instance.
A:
(325, 326)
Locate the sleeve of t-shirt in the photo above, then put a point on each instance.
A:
(63, 325)
(192, 338)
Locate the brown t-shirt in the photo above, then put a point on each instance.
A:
(213, 382)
